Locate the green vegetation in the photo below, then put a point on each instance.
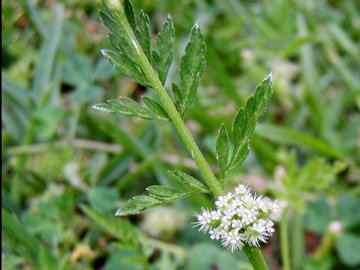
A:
(67, 167)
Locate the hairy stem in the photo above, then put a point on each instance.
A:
(169, 107)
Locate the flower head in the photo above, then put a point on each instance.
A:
(240, 218)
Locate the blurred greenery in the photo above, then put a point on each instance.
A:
(66, 167)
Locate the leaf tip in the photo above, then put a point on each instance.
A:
(103, 52)
(269, 77)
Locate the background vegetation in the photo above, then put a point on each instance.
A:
(66, 167)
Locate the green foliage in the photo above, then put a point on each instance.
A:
(159, 195)
(206, 256)
(242, 128)
(129, 107)
(163, 52)
(192, 67)
(121, 229)
(348, 246)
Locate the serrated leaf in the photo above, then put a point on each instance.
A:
(222, 150)
(238, 127)
(188, 182)
(143, 33)
(128, 107)
(136, 205)
(155, 107)
(122, 57)
(192, 65)
(162, 192)
(245, 121)
(125, 66)
(130, 14)
(163, 195)
(136, 108)
(163, 52)
(178, 96)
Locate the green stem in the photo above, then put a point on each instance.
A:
(325, 246)
(256, 258)
(169, 107)
(284, 240)
(297, 243)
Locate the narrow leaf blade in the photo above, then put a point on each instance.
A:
(163, 52)
(192, 66)
(143, 34)
(222, 150)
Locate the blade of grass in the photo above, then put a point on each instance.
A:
(288, 136)
(46, 59)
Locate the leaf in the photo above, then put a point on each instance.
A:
(129, 107)
(288, 136)
(347, 208)
(192, 65)
(162, 192)
(125, 66)
(244, 124)
(222, 149)
(163, 52)
(27, 241)
(205, 256)
(136, 205)
(122, 230)
(163, 195)
(143, 34)
(188, 182)
(155, 107)
(318, 216)
(102, 199)
(130, 14)
(45, 63)
(348, 246)
(136, 109)
(125, 260)
(123, 57)
(178, 96)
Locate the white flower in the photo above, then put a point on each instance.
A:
(242, 189)
(240, 218)
(215, 234)
(223, 201)
(234, 240)
(204, 220)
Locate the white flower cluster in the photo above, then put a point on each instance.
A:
(240, 217)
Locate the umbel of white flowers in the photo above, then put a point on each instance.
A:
(240, 218)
